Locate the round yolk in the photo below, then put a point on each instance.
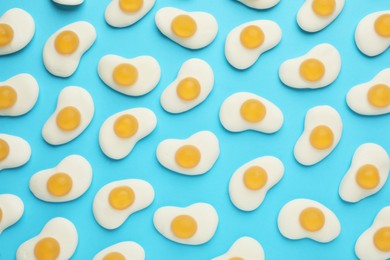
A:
(382, 25)
(321, 137)
(236, 258)
(125, 75)
(183, 26)
(47, 249)
(66, 42)
(130, 6)
(121, 198)
(382, 239)
(312, 70)
(187, 156)
(255, 178)
(1, 215)
(253, 111)
(252, 37)
(114, 256)
(323, 7)
(379, 95)
(367, 177)
(188, 89)
(312, 219)
(126, 126)
(6, 34)
(8, 97)
(4, 150)
(59, 184)
(68, 119)
(184, 226)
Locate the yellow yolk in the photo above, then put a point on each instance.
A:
(323, 7)
(4, 150)
(312, 219)
(236, 258)
(1, 215)
(367, 177)
(6, 34)
(321, 137)
(382, 25)
(183, 26)
(382, 239)
(188, 89)
(121, 198)
(184, 226)
(253, 111)
(68, 119)
(59, 184)
(187, 156)
(114, 256)
(252, 37)
(66, 42)
(130, 6)
(255, 178)
(47, 249)
(312, 70)
(8, 97)
(125, 75)
(379, 95)
(126, 126)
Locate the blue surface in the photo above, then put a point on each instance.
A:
(319, 182)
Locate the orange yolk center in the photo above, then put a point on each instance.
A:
(253, 111)
(367, 177)
(1, 215)
(187, 156)
(321, 137)
(68, 119)
(6, 34)
(47, 249)
(236, 258)
(255, 178)
(125, 75)
(312, 219)
(382, 239)
(382, 25)
(183, 26)
(4, 150)
(59, 184)
(121, 198)
(126, 126)
(379, 95)
(66, 42)
(130, 6)
(188, 89)
(312, 70)
(114, 256)
(8, 97)
(184, 226)
(323, 7)
(252, 37)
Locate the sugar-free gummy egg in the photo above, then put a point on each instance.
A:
(250, 183)
(122, 251)
(17, 28)
(192, 156)
(316, 69)
(259, 4)
(18, 95)
(67, 181)
(246, 111)
(244, 248)
(321, 134)
(11, 210)
(193, 30)
(192, 225)
(132, 77)
(372, 35)
(72, 115)
(246, 42)
(120, 132)
(117, 200)
(374, 243)
(68, 2)
(303, 218)
(57, 240)
(315, 15)
(193, 84)
(14, 151)
(372, 97)
(367, 174)
(63, 50)
(122, 13)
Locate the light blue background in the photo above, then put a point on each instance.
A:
(319, 182)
